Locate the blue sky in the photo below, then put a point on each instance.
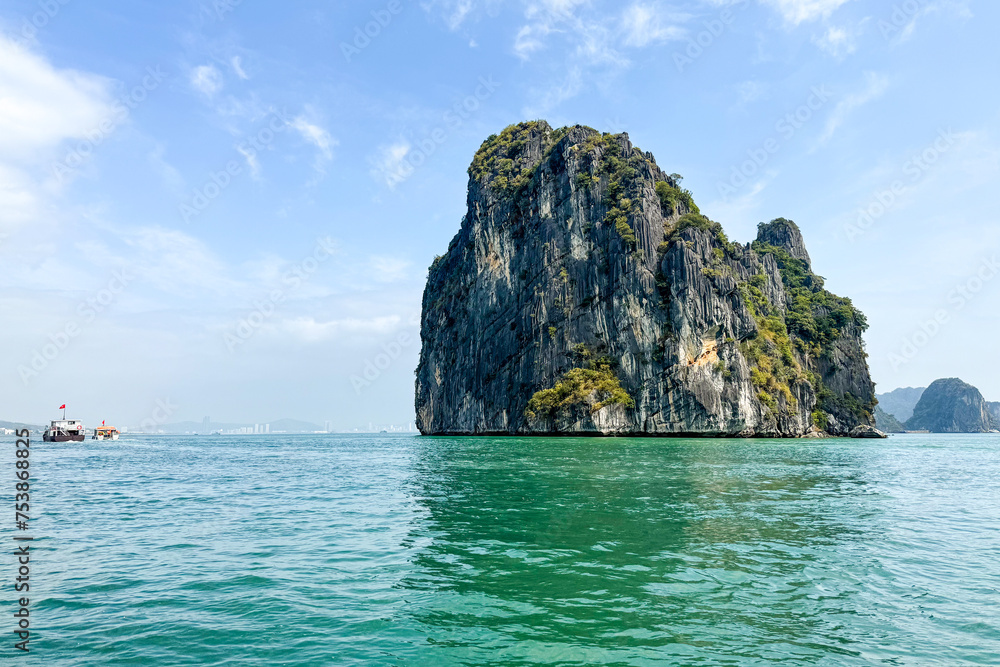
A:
(229, 207)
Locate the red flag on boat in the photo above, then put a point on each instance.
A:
(62, 407)
(102, 422)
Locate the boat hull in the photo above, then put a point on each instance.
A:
(63, 438)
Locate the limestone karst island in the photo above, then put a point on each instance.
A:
(586, 294)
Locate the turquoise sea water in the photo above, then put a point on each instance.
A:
(393, 550)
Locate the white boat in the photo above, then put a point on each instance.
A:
(106, 433)
(65, 430)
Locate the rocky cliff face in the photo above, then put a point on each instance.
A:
(952, 406)
(586, 294)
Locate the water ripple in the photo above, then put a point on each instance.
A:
(389, 550)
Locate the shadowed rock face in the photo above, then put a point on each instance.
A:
(952, 406)
(886, 422)
(585, 294)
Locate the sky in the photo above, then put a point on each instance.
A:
(228, 208)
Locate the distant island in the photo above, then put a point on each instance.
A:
(585, 293)
(948, 405)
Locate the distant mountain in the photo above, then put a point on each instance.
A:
(886, 422)
(994, 409)
(20, 425)
(900, 402)
(952, 406)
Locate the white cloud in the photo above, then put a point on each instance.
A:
(318, 137)
(959, 8)
(176, 263)
(171, 178)
(642, 25)
(250, 156)
(745, 206)
(315, 135)
(837, 42)
(206, 79)
(41, 107)
(546, 18)
(309, 330)
(876, 84)
(459, 11)
(529, 38)
(18, 198)
(389, 165)
(547, 99)
(803, 11)
(751, 91)
(590, 42)
(389, 269)
(237, 64)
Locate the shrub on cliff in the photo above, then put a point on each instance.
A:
(579, 386)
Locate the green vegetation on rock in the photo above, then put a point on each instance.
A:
(577, 387)
(498, 160)
(813, 320)
(671, 195)
(621, 171)
(774, 368)
(814, 314)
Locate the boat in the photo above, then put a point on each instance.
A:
(65, 430)
(103, 432)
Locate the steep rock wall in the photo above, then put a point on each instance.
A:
(585, 294)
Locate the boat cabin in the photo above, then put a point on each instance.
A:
(66, 425)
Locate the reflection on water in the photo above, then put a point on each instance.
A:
(583, 551)
(391, 550)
